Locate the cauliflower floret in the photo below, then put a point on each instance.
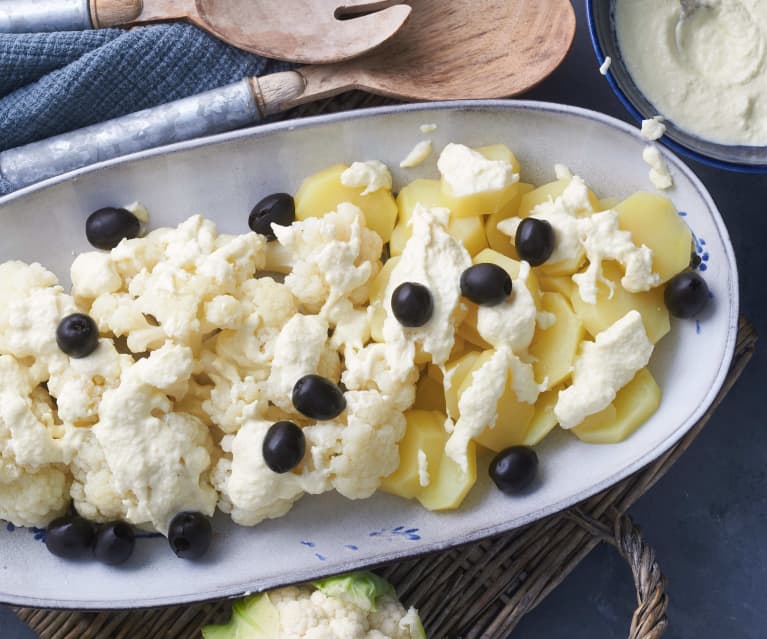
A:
(29, 317)
(34, 449)
(92, 274)
(298, 351)
(354, 456)
(379, 367)
(358, 605)
(232, 398)
(158, 460)
(334, 257)
(249, 490)
(93, 489)
(34, 499)
(79, 383)
(175, 281)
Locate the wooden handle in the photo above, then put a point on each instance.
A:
(114, 13)
(282, 91)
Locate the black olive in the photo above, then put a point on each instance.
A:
(318, 398)
(412, 304)
(284, 446)
(278, 208)
(189, 534)
(106, 227)
(70, 537)
(77, 335)
(486, 284)
(534, 241)
(114, 543)
(686, 294)
(514, 469)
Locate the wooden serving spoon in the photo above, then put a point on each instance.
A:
(309, 31)
(448, 49)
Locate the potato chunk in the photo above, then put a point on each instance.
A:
(425, 432)
(429, 394)
(554, 348)
(457, 371)
(449, 484)
(632, 406)
(653, 221)
(489, 201)
(323, 192)
(597, 317)
(544, 420)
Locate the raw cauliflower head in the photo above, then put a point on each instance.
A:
(359, 605)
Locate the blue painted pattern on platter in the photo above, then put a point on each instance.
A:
(398, 533)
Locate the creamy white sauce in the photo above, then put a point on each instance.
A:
(605, 66)
(709, 76)
(659, 173)
(371, 174)
(468, 172)
(417, 155)
(653, 128)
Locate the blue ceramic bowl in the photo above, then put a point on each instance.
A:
(745, 159)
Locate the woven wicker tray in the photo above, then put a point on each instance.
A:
(478, 591)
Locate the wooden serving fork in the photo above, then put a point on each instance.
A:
(308, 31)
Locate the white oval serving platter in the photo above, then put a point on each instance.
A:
(222, 177)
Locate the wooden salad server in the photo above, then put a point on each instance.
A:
(448, 49)
(308, 31)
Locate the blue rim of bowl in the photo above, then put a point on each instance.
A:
(672, 144)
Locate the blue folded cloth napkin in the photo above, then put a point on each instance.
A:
(56, 82)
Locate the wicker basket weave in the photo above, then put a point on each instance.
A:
(478, 591)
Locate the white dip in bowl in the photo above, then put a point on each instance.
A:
(709, 75)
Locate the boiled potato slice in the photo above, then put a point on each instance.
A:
(457, 370)
(653, 221)
(470, 231)
(555, 347)
(514, 418)
(399, 237)
(449, 484)
(607, 203)
(551, 190)
(597, 317)
(600, 422)
(512, 268)
(323, 192)
(633, 405)
(489, 201)
(544, 420)
(425, 431)
(422, 191)
(467, 330)
(499, 152)
(556, 284)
